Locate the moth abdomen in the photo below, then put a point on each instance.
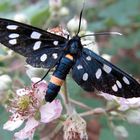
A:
(58, 77)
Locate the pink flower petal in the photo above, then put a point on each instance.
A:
(14, 122)
(28, 130)
(40, 88)
(50, 111)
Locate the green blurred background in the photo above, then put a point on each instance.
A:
(107, 15)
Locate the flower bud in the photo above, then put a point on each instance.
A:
(133, 116)
(21, 18)
(120, 132)
(64, 11)
(5, 82)
(54, 4)
(73, 24)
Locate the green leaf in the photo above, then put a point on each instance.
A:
(121, 11)
(138, 54)
(133, 130)
(126, 42)
(40, 17)
(37, 13)
(77, 93)
(96, 26)
(129, 65)
(4, 134)
(106, 134)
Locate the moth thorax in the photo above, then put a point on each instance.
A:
(74, 46)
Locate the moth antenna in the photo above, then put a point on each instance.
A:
(80, 19)
(103, 33)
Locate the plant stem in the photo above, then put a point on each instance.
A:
(52, 135)
(55, 131)
(66, 98)
(97, 111)
(82, 105)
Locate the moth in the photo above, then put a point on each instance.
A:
(47, 50)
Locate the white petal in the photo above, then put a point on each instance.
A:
(108, 96)
(50, 111)
(28, 130)
(14, 122)
(22, 92)
(134, 101)
(36, 79)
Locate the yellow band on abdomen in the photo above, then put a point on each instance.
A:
(69, 56)
(56, 81)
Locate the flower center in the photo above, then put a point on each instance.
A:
(24, 102)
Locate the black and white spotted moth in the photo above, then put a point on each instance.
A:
(48, 50)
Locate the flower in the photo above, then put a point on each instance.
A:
(124, 104)
(89, 42)
(59, 31)
(55, 4)
(75, 128)
(28, 105)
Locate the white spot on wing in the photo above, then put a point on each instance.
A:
(88, 58)
(119, 84)
(115, 88)
(43, 57)
(79, 67)
(14, 35)
(54, 55)
(98, 73)
(55, 43)
(35, 35)
(12, 27)
(13, 41)
(126, 80)
(85, 76)
(107, 68)
(37, 45)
